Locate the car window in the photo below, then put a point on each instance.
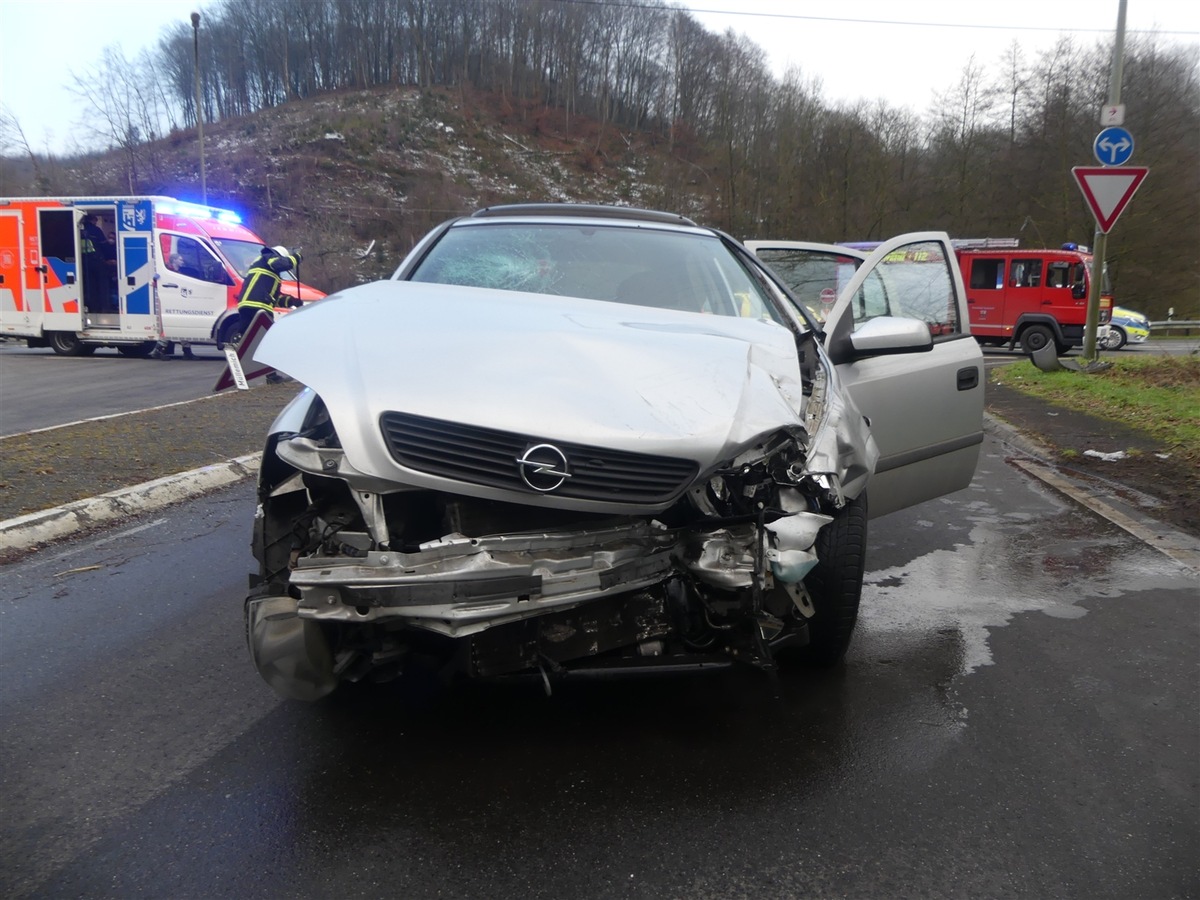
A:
(639, 266)
(191, 258)
(241, 254)
(1058, 274)
(915, 282)
(1026, 273)
(815, 278)
(987, 274)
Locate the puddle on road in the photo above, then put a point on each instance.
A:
(1009, 563)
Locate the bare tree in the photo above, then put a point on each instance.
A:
(124, 100)
(960, 130)
(12, 137)
(1014, 84)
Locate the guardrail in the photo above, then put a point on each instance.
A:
(1170, 325)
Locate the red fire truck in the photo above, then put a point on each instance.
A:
(1029, 297)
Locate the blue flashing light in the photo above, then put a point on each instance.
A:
(196, 211)
(1070, 245)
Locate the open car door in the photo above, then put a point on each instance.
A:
(925, 406)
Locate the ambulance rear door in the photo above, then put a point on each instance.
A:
(15, 315)
(136, 269)
(56, 270)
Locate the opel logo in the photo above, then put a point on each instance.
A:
(543, 467)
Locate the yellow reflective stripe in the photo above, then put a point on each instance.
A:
(252, 283)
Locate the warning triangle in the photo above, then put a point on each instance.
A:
(1108, 189)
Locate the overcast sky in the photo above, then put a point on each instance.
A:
(902, 52)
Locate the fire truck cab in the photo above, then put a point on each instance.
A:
(1029, 297)
(77, 273)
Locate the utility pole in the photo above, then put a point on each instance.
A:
(1100, 242)
(199, 111)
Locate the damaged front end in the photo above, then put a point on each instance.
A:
(635, 487)
(362, 579)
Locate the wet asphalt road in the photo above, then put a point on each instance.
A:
(43, 389)
(1018, 716)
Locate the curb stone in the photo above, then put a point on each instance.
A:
(44, 526)
(1179, 546)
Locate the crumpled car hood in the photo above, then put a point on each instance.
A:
(556, 368)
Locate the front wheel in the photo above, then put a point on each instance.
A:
(1116, 338)
(230, 334)
(65, 343)
(1036, 337)
(835, 584)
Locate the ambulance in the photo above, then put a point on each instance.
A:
(77, 273)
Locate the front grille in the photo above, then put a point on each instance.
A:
(487, 457)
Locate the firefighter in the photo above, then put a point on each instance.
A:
(260, 290)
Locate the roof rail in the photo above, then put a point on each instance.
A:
(985, 243)
(582, 210)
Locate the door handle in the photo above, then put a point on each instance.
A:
(171, 285)
(968, 378)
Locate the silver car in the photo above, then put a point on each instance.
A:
(566, 439)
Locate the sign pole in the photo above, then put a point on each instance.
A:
(1100, 241)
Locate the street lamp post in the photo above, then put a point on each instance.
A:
(199, 113)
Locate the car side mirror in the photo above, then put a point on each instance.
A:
(891, 334)
(1078, 292)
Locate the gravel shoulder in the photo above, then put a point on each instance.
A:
(44, 469)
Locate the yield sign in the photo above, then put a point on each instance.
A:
(1108, 190)
(243, 363)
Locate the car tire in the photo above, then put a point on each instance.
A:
(65, 343)
(230, 334)
(1116, 338)
(835, 584)
(1035, 337)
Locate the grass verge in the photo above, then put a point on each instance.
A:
(48, 468)
(1159, 395)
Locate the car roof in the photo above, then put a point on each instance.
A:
(1025, 251)
(582, 211)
